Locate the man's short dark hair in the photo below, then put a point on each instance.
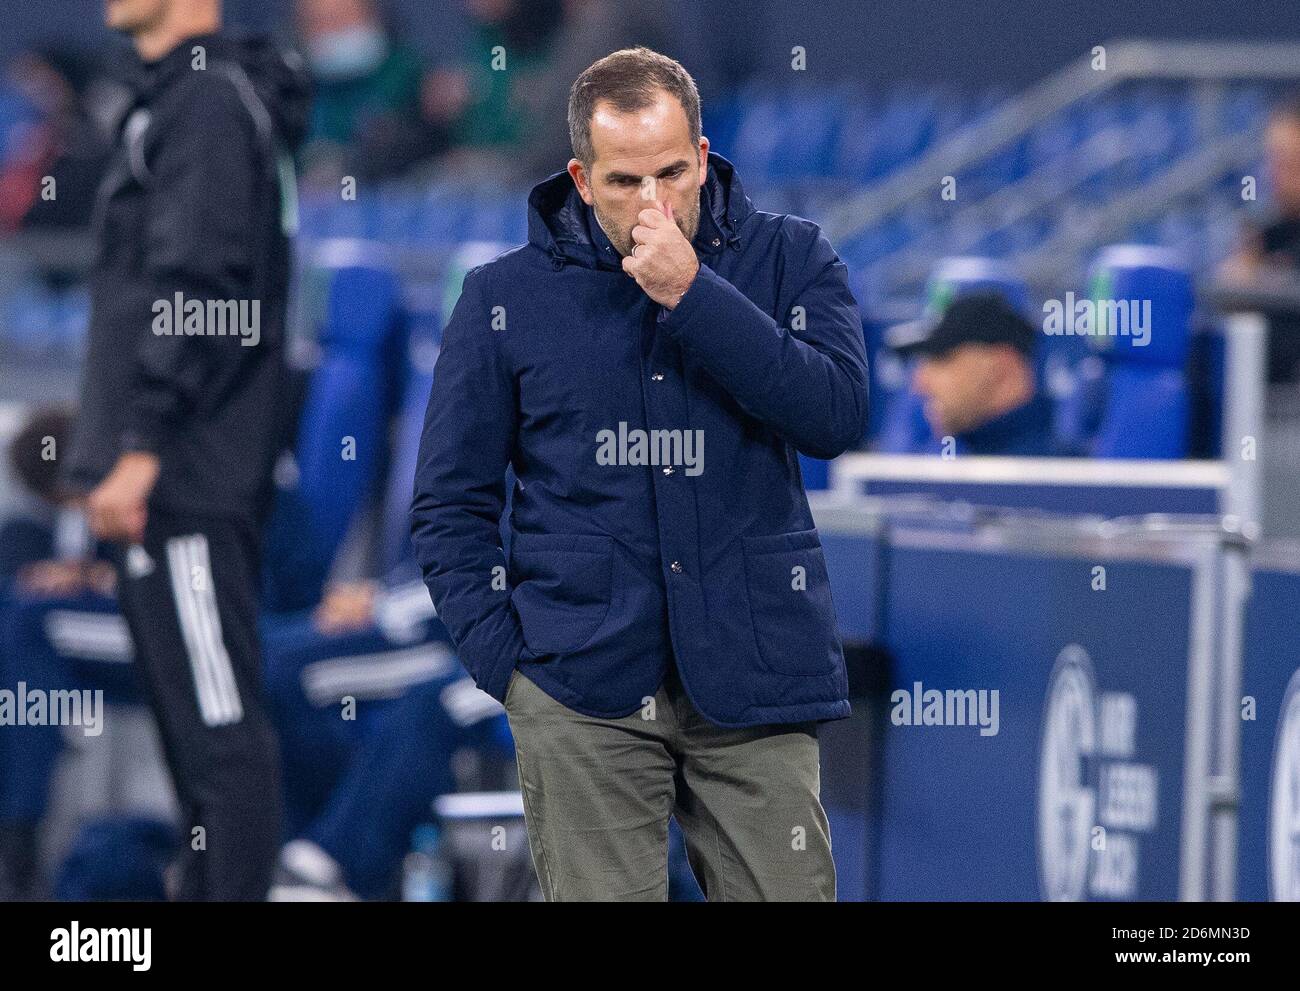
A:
(629, 79)
(45, 433)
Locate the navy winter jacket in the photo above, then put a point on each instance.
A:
(613, 571)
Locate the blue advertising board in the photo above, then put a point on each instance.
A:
(1268, 834)
(1035, 736)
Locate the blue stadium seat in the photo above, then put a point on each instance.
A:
(1078, 396)
(422, 353)
(963, 276)
(1146, 406)
(341, 435)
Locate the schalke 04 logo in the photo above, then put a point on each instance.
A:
(1094, 799)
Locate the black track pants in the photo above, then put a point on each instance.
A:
(189, 595)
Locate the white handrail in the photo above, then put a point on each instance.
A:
(850, 469)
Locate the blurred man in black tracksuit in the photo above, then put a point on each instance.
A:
(183, 406)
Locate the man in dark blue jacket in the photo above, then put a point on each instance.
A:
(660, 626)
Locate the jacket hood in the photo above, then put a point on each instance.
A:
(281, 79)
(279, 76)
(560, 223)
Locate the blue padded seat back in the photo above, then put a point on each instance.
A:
(341, 436)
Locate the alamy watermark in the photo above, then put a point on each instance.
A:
(1098, 318)
(59, 707)
(105, 944)
(179, 317)
(668, 448)
(954, 707)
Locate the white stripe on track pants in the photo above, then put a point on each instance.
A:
(189, 594)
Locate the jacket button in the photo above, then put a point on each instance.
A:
(668, 470)
(657, 377)
(676, 567)
(716, 242)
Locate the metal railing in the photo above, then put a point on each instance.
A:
(1126, 60)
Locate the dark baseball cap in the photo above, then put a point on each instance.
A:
(980, 318)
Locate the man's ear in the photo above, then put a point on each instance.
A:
(704, 159)
(579, 176)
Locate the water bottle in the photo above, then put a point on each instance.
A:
(426, 871)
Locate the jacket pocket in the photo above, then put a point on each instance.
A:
(790, 603)
(561, 588)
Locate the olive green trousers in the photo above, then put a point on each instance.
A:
(598, 794)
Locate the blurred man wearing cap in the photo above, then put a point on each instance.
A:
(977, 376)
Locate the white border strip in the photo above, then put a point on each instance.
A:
(851, 468)
(480, 805)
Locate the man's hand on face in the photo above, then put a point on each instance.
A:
(662, 260)
(116, 508)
